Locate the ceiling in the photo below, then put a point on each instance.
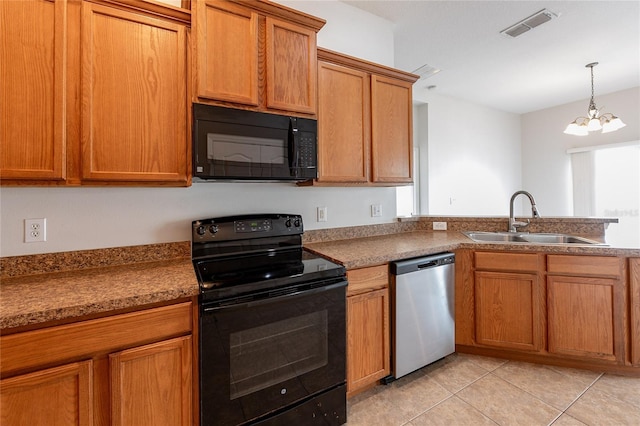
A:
(541, 68)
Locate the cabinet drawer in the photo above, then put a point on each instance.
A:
(495, 261)
(600, 266)
(367, 279)
(84, 339)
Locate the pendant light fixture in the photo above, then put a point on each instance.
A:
(606, 122)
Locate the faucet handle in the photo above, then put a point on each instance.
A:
(517, 224)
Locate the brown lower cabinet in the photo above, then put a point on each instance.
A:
(634, 302)
(546, 307)
(127, 369)
(585, 296)
(368, 332)
(508, 301)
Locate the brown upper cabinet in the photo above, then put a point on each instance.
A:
(94, 93)
(364, 122)
(32, 84)
(255, 55)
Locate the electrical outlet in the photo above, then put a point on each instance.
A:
(322, 214)
(35, 230)
(439, 226)
(376, 210)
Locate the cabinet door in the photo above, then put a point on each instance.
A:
(291, 67)
(134, 125)
(508, 310)
(32, 80)
(60, 396)
(226, 52)
(368, 357)
(151, 385)
(392, 145)
(582, 318)
(344, 124)
(634, 291)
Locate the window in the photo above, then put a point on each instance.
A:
(606, 182)
(407, 201)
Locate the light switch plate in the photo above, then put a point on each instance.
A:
(376, 210)
(322, 214)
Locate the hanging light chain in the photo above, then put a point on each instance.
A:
(593, 110)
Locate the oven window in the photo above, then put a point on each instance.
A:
(273, 353)
(246, 149)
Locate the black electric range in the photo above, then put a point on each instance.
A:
(272, 324)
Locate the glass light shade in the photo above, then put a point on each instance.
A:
(612, 125)
(594, 124)
(608, 127)
(576, 130)
(617, 123)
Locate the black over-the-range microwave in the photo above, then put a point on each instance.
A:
(233, 144)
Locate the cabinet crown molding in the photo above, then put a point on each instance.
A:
(153, 8)
(363, 65)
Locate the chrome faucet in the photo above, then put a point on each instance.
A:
(513, 224)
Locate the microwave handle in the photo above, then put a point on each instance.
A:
(291, 146)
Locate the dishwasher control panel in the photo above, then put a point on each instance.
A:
(417, 264)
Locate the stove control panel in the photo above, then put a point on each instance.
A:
(263, 225)
(231, 228)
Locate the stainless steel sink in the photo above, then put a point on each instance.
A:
(523, 237)
(498, 237)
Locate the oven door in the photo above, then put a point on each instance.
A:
(258, 358)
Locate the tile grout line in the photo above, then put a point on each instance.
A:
(581, 394)
(561, 412)
(487, 372)
(434, 405)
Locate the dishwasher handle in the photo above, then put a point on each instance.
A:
(421, 263)
(427, 264)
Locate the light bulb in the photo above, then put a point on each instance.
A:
(594, 124)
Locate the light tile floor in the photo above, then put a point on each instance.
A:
(466, 389)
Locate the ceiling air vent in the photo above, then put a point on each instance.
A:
(528, 23)
(426, 71)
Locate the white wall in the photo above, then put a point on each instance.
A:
(86, 218)
(89, 217)
(471, 155)
(546, 167)
(349, 30)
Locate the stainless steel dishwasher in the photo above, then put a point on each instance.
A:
(422, 311)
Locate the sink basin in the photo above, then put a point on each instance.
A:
(557, 239)
(522, 237)
(499, 237)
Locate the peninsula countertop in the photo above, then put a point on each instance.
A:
(376, 250)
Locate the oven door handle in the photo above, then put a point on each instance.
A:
(276, 299)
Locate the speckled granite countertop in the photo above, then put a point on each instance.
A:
(42, 288)
(26, 300)
(377, 250)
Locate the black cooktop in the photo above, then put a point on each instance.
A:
(244, 255)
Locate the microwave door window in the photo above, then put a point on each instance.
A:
(273, 158)
(241, 156)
